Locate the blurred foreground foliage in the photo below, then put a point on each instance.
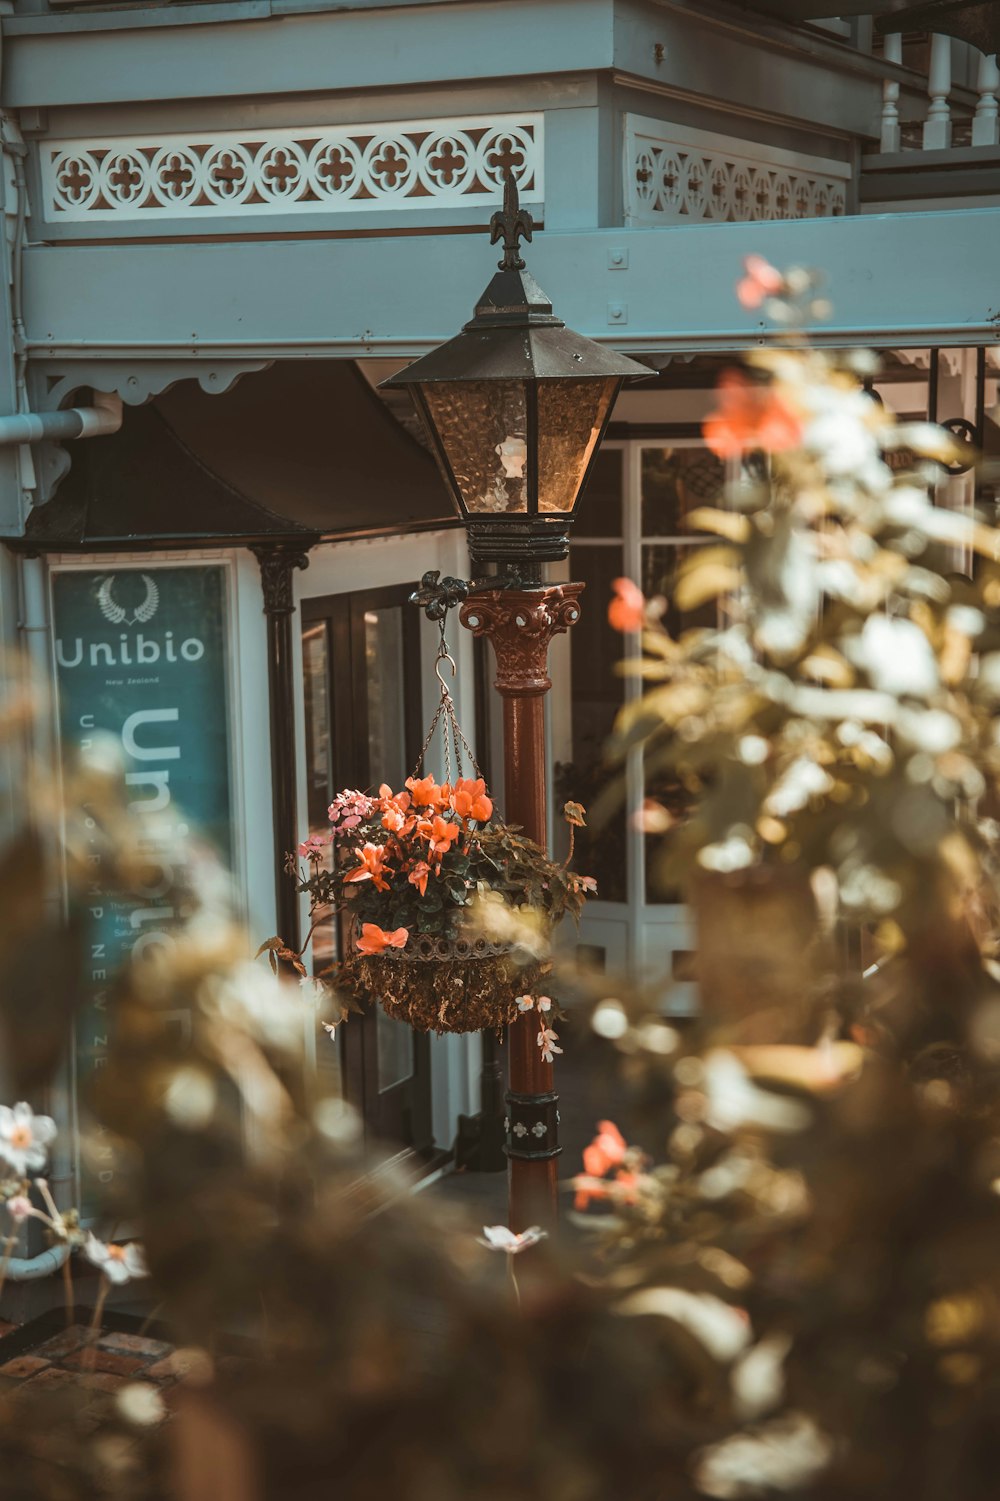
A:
(796, 1283)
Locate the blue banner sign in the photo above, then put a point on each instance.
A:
(142, 656)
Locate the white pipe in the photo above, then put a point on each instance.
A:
(30, 1268)
(104, 417)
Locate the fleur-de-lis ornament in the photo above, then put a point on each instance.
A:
(511, 224)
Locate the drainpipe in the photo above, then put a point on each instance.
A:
(104, 417)
(31, 1268)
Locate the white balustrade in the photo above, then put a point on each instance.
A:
(893, 53)
(986, 123)
(937, 126)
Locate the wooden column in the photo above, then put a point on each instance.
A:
(277, 563)
(521, 623)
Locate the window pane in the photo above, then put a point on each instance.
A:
(571, 414)
(660, 564)
(483, 428)
(395, 1051)
(386, 696)
(674, 481)
(319, 764)
(598, 693)
(599, 513)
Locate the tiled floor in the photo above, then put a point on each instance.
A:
(38, 1358)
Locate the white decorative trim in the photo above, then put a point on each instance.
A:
(411, 164)
(674, 176)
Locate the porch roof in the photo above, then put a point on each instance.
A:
(296, 453)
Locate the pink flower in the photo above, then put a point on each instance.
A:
(627, 610)
(19, 1208)
(547, 1040)
(761, 280)
(348, 809)
(314, 844)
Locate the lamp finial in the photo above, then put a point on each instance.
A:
(511, 224)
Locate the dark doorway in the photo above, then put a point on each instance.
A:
(361, 666)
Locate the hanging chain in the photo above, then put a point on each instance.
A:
(452, 736)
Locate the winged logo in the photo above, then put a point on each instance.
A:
(117, 614)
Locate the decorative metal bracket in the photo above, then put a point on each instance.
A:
(437, 595)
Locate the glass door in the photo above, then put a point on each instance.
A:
(361, 665)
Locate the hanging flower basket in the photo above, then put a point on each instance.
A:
(451, 909)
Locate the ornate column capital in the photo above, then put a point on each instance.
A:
(276, 564)
(521, 623)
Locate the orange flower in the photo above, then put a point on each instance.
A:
(750, 416)
(375, 940)
(627, 610)
(418, 876)
(470, 799)
(587, 1189)
(396, 821)
(607, 1149)
(440, 835)
(372, 867)
(427, 793)
(761, 280)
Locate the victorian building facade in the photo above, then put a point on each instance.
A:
(227, 222)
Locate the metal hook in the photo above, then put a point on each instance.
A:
(444, 656)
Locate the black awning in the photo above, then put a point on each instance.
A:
(300, 452)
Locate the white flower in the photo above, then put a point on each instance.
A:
(499, 1238)
(866, 888)
(758, 1379)
(783, 1455)
(896, 655)
(734, 853)
(930, 730)
(189, 1098)
(752, 750)
(965, 618)
(609, 1020)
(841, 441)
(251, 998)
(118, 1263)
(803, 780)
(722, 1329)
(524, 1002)
(24, 1138)
(141, 1404)
(734, 1100)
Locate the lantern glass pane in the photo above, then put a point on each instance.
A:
(571, 414)
(482, 427)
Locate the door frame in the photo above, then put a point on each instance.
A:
(404, 1109)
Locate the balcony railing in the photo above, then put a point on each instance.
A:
(939, 129)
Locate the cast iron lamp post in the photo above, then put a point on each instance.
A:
(516, 406)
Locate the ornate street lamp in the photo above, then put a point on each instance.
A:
(516, 406)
